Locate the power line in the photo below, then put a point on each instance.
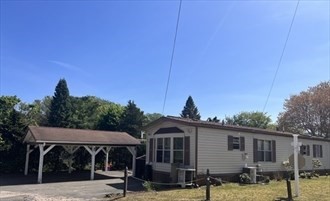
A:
(173, 49)
(280, 61)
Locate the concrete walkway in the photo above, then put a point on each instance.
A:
(20, 188)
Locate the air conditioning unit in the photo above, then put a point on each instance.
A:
(252, 172)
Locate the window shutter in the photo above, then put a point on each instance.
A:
(321, 152)
(230, 142)
(308, 151)
(302, 149)
(314, 151)
(151, 150)
(187, 150)
(255, 150)
(242, 143)
(273, 151)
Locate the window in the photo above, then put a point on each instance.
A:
(160, 150)
(304, 150)
(264, 150)
(317, 151)
(167, 150)
(178, 150)
(163, 150)
(237, 143)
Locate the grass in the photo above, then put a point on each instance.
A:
(310, 189)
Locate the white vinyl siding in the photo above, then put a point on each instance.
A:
(189, 132)
(213, 153)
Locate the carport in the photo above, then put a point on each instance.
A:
(46, 138)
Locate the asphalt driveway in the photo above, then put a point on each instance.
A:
(64, 186)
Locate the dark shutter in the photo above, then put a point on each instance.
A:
(273, 151)
(314, 150)
(308, 150)
(255, 150)
(151, 150)
(242, 143)
(187, 150)
(230, 143)
(321, 152)
(302, 149)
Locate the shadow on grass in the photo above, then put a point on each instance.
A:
(282, 199)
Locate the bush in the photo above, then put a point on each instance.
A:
(148, 186)
(244, 178)
(308, 175)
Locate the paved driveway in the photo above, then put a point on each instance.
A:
(54, 188)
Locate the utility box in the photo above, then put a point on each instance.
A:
(252, 172)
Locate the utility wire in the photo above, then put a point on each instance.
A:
(280, 61)
(173, 50)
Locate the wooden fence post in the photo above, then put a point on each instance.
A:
(207, 185)
(288, 186)
(125, 181)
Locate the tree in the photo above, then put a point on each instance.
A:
(110, 120)
(190, 110)
(214, 119)
(60, 108)
(308, 112)
(12, 131)
(132, 120)
(250, 119)
(150, 117)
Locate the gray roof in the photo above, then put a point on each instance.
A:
(215, 125)
(54, 135)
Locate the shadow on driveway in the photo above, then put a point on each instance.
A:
(19, 179)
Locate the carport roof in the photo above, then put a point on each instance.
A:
(68, 136)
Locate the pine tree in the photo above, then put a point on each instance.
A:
(190, 110)
(60, 108)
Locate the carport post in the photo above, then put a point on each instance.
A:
(133, 152)
(93, 163)
(93, 154)
(27, 159)
(106, 151)
(41, 162)
(41, 159)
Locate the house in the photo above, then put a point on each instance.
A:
(174, 142)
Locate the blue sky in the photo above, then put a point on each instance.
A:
(226, 52)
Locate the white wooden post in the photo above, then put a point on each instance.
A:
(296, 148)
(41, 162)
(93, 163)
(106, 151)
(27, 159)
(93, 154)
(133, 152)
(41, 159)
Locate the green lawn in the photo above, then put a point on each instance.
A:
(310, 189)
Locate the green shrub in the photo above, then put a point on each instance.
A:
(244, 178)
(148, 186)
